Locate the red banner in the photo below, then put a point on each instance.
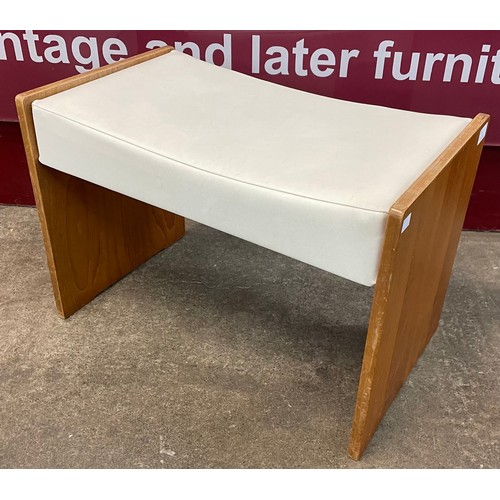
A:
(445, 72)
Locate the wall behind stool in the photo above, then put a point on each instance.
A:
(15, 185)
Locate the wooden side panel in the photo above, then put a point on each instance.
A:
(413, 278)
(93, 236)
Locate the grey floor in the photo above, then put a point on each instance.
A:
(218, 353)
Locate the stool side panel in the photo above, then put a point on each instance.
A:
(92, 236)
(415, 269)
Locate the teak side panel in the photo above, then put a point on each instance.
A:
(93, 236)
(413, 278)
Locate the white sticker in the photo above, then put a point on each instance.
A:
(482, 134)
(406, 223)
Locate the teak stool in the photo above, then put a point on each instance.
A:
(372, 194)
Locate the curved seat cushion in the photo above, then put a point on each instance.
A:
(307, 176)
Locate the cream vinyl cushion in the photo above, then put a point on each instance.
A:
(307, 176)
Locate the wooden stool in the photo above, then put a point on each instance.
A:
(372, 194)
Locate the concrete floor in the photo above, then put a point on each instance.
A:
(219, 353)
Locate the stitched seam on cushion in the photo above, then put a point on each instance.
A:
(34, 104)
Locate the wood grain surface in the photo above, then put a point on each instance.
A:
(93, 236)
(413, 278)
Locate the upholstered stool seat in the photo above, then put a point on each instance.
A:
(304, 175)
